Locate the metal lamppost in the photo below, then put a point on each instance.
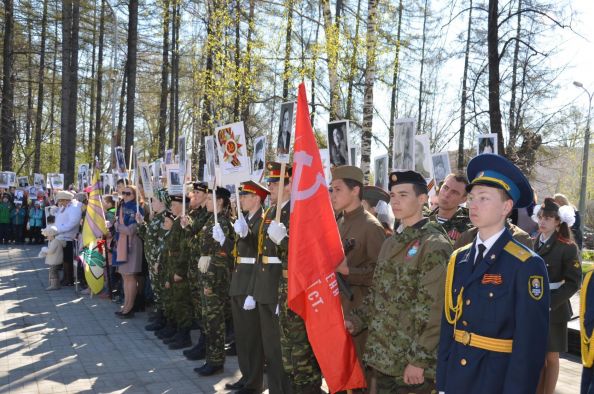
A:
(584, 183)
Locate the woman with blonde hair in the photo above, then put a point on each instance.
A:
(128, 252)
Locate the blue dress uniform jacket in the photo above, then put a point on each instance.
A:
(505, 297)
(587, 384)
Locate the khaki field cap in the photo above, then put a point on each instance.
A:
(64, 195)
(348, 172)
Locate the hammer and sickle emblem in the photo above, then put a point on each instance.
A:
(301, 159)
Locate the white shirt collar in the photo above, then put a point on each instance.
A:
(542, 238)
(489, 242)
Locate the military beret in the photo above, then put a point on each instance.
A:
(348, 172)
(178, 198)
(251, 187)
(404, 177)
(273, 171)
(200, 187)
(498, 172)
(374, 194)
(549, 205)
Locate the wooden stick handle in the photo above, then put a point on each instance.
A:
(281, 186)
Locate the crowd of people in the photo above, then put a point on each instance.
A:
(508, 263)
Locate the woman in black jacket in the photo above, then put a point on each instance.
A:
(554, 243)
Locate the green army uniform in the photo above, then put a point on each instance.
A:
(299, 360)
(198, 217)
(265, 290)
(215, 289)
(404, 306)
(250, 353)
(454, 226)
(468, 237)
(178, 257)
(152, 233)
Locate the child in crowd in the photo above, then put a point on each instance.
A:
(18, 221)
(5, 209)
(54, 254)
(35, 222)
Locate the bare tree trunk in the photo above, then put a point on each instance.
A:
(332, 48)
(353, 65)
(131, 70)
(245, 106)
(29, 119)
(175, 82)
(120, 128)
(513, 131)
(422, 68)
(369, 82)
(172, 130)
(288, 34)
(98, 129)
(41, 77)
(239, 80)
(92, 81)
(464, 98)
(52, 121)
(494, 104)
(70, 27)
(7, 131)
(394, 92)
(164, 81)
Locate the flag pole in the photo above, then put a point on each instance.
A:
(130, 163)
(136, 183)
(281, 186)
(239, 213)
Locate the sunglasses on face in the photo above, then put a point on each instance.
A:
(126, 193)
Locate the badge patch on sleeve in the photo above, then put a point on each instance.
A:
(535, 287)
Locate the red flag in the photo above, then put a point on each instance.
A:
(315, 250)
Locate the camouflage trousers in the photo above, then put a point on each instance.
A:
(196, 289)
(158, 279)
(215, 298)
(299, 361)
(380, 383)
(181, 305)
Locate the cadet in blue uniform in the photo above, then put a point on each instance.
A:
(587, 333)
(496, 316)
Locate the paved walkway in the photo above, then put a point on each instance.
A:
(57, 342)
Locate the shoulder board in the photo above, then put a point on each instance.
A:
(518, 251)
(463, 248)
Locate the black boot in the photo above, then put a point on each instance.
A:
(166, 332)
(198, 352)
(170, 339)
(156, 325)
(181, 340)
(208, 369)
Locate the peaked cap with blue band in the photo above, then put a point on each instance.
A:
(496, 171)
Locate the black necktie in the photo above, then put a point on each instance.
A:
(479, 257)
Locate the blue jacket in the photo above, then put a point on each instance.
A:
(18, 217)
(35, 217)
(506, 296)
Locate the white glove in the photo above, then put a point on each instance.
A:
(43, 252)
(218, 234)
(203, 264)
(249, 303)
(277, 310)
(241, 227)
(277, 232)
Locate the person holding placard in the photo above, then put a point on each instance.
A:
(193, 224)
(267, 275)
(178, 260)
(214, 264)
(246, 321)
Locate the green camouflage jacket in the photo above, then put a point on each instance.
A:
(403, 308)
(178, 250)
(152, 234)
(459, 223)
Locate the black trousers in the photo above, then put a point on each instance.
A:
(68, 278)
